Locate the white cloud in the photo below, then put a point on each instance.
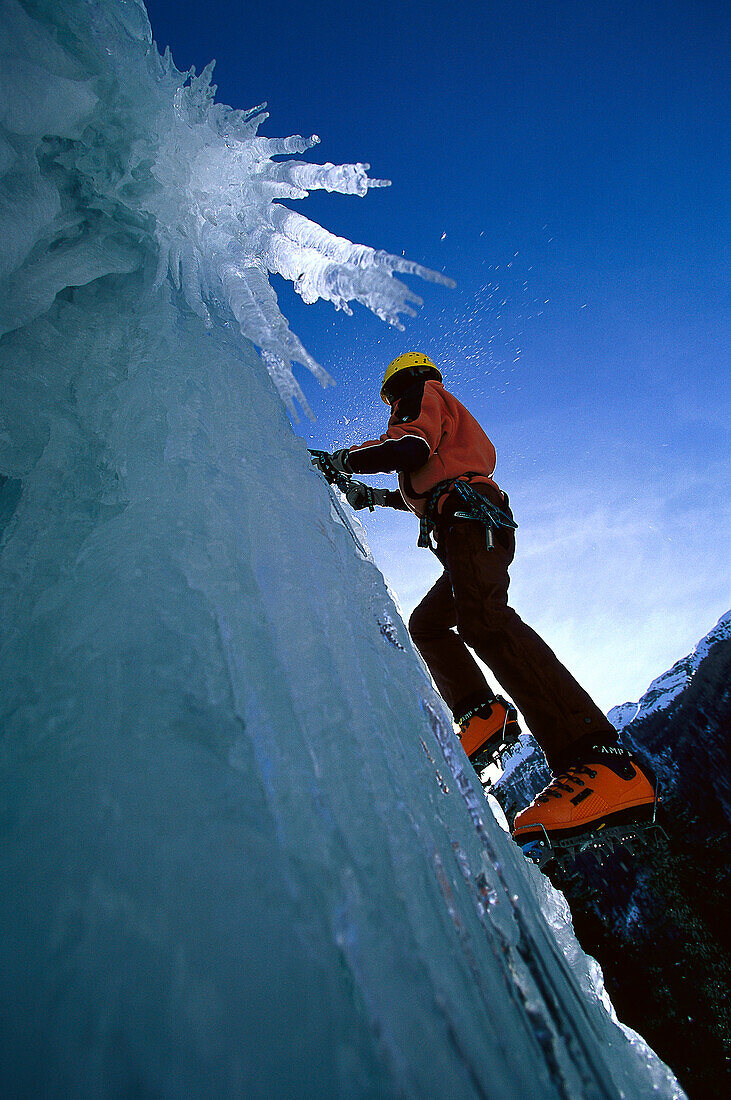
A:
(620, 588)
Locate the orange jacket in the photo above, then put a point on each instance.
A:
(431, 437)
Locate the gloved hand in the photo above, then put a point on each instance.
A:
(339, 459)
(360, 496)
(333, 466)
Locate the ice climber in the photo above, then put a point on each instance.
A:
(445, 464)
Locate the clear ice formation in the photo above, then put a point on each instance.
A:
(239, 854)
(113, 159)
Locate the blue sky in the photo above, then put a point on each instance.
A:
(567, 163)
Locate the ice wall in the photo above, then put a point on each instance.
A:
(239, 855)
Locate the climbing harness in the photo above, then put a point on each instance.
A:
(473, 506)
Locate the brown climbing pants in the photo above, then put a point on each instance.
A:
(472, 595)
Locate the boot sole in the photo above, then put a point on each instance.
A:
(644, 813)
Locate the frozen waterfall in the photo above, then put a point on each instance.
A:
(240, 854)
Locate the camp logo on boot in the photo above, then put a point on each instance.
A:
(610, 750)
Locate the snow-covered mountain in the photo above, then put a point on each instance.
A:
(654, 920)
(662, 919)
(242, 853)
(666, 688)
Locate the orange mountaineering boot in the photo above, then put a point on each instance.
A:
(602, 789)
(486, 729)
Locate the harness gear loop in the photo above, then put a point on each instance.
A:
(474, 507)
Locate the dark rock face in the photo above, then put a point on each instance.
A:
(661, 931)
(689, 744)
(659, 924)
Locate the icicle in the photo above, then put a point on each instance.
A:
(191, 181)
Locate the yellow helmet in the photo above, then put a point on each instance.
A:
(414, 361)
